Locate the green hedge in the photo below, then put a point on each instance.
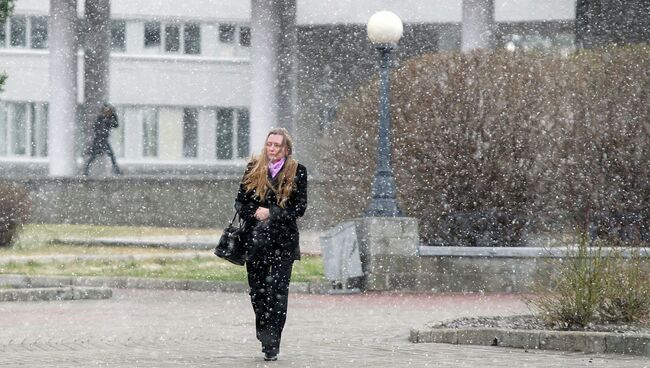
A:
(530, 142)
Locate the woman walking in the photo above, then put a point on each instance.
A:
(271, 197)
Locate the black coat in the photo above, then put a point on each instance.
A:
(101, 130)
(282, 227)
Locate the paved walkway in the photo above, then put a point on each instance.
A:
(166, 328)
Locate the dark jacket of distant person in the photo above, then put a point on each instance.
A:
(101, 131)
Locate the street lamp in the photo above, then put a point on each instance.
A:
(384, 30)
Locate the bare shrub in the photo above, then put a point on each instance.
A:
(601, 165)
(15, 207)
(501, 144)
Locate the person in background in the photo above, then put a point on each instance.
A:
(105, 121)
(271, 197)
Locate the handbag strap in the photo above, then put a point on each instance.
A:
(235, 216)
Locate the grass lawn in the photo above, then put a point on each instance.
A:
(36, 240)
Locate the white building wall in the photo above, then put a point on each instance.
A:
(230, 10)
(533, 10)
(326, 12)
(34, 7)
(182, 80)
(151, 80)
(28, 75)
(429, 11)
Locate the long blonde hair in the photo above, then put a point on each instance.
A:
(257, 178)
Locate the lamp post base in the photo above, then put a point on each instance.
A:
(383, 207)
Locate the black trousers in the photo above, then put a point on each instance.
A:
(269, 274)
(96, 150)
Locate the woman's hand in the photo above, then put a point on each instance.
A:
(262, 214)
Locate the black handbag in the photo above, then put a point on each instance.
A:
(232, 246)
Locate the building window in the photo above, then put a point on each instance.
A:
(18, 31)
(233, 131)
(150, 132)
(3, 35)
(17, 130)
(172, 38)
(38, 31)
(175, 37)
(245, 36)
(23, 129)
(192, 38)
(224, 133)
(21, 31)
(226, 33)
(243, 133)
(152, 35)
(118, 36)
(190, 132)
(38, 118)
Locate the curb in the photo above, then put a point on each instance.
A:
(24, 281)
(576, 341)
(116, 257)
(55, 293)
(173, 242)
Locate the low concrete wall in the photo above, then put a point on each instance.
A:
(473, 269)
(148, 201)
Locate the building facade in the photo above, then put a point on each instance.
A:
(182, 77)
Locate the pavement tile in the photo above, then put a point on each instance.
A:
(167, 328)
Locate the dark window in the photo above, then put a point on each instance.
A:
(41, 132)
(32, 121)
(3, 34)
(18, 31)
(152, 34)
(243, 133)
(224, 134)
(245, 36)
(190, 132)
(192, 36)
(19, 131)
(39, 32)
(226, 33)
(172, 38)
(118, 36)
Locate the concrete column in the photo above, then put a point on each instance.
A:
(63, 87)
(478, 25)
(272, 67)
(97, 48)
(287, 64)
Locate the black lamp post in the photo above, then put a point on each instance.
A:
(384, 30)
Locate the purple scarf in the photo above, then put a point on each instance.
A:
(275, 168)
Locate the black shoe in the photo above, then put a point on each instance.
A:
(270, 357)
